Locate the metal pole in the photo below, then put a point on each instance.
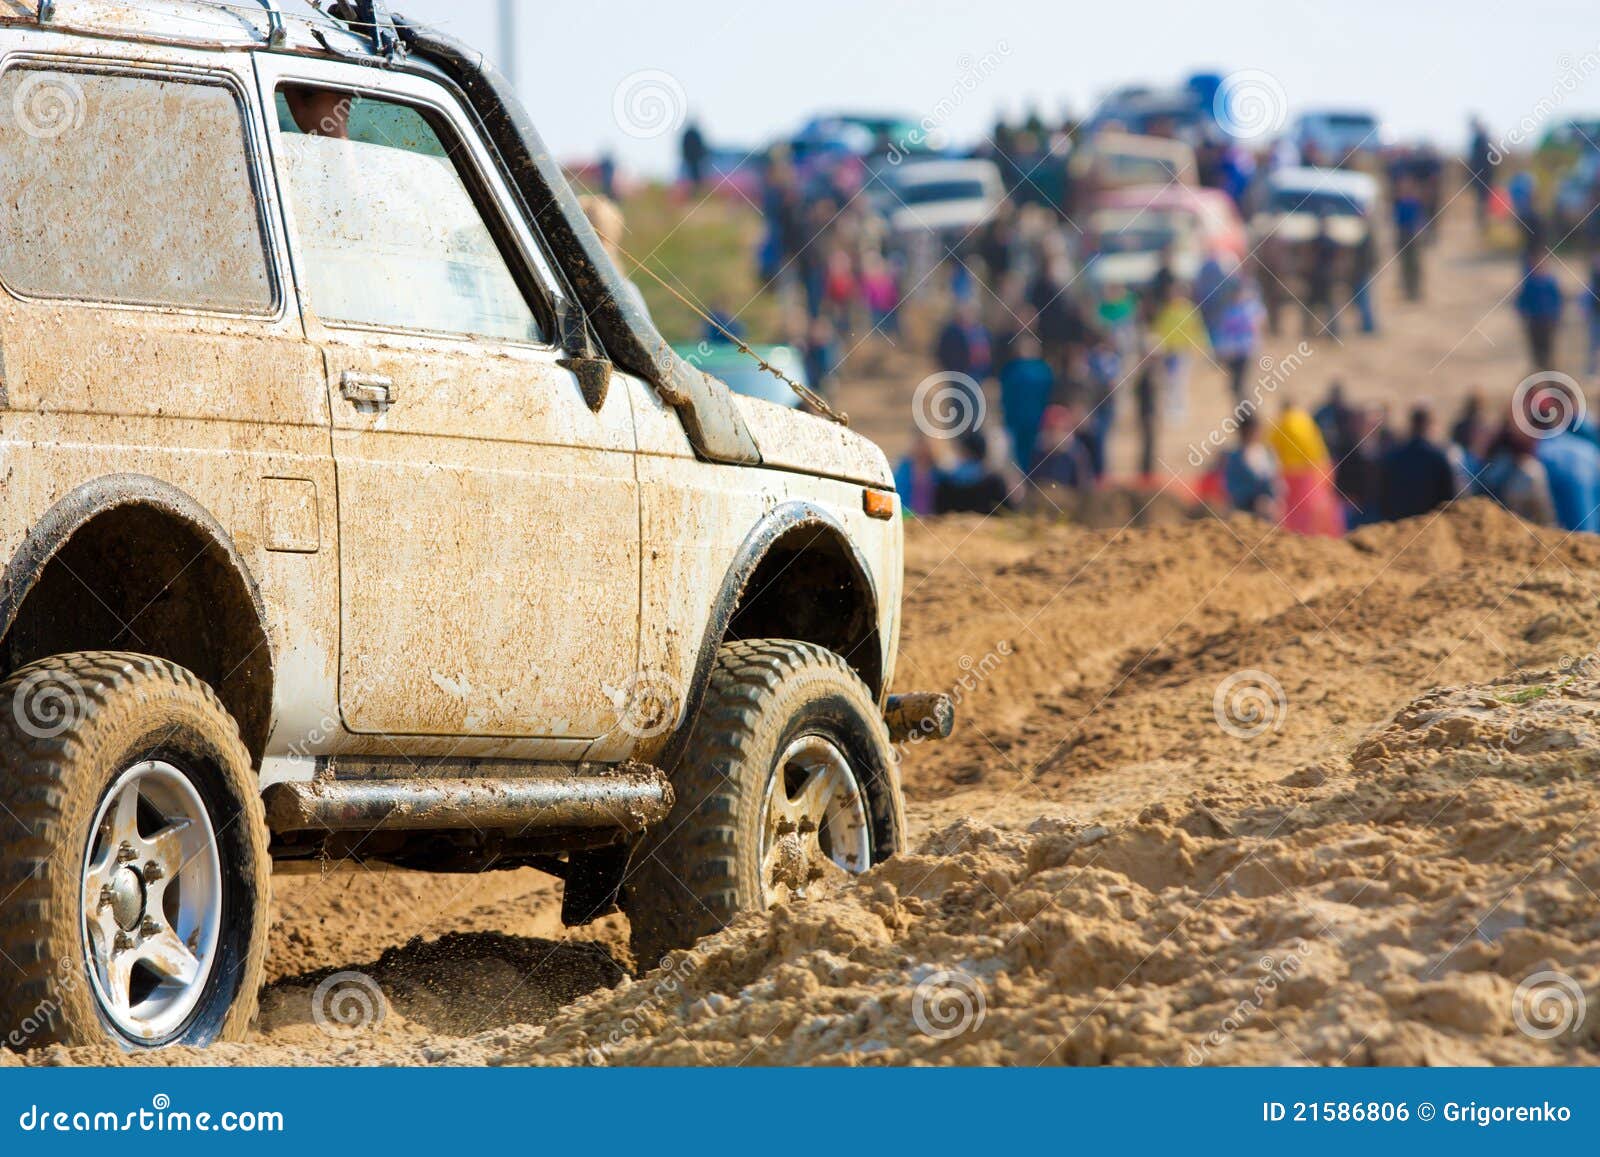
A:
(508, 40)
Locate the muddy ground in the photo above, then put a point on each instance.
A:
(1218, 796)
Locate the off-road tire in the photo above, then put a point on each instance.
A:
(700, 867)
(58, 757)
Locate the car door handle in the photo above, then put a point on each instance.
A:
(374, 390)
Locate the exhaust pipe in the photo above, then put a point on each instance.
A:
(629, 800)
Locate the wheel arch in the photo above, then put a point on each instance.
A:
(797, 549)
(192, 599)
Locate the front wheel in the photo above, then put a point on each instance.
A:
(787, 786)
(135, 869)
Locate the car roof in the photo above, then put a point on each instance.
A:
(1317, 114)
(936, 170)
(1136, 144)
(236, 24)
(1168, 196)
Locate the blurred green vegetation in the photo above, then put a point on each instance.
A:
(705, 248)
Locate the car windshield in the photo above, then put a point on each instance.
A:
(1139, 230)
(930, 192)
(1144, 240)
(1128, 169)
(1316, 201)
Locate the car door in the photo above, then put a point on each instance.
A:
(488, 517)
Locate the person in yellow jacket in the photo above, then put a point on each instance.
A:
(1311, 504)
(1180, 336)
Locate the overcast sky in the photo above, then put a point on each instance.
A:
(597, 74)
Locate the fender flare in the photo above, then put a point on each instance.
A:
(774, 525)
(70, 514)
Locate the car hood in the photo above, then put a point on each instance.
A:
(1139, 268)
(938, 215)
(806, 444)
(1297, 227)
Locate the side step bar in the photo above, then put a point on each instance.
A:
(629, 799)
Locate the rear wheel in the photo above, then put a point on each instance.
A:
(135, 858)
(785, 789)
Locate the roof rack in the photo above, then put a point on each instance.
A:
(371, 17)
(277, 35)
(367, 18)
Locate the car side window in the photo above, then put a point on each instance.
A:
(129, 189)
(388, 229)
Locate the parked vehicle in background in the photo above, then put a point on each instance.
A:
(1175, 113)
(1298, 199)
(836, 147)
(1576, 194)
(1216, 224)
(1573, 135)
(744, 375)
(1334, 137)
(944, 200)
(736, 171)
(1116, 160)
(1128, 246)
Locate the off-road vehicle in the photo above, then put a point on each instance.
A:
(354, 510)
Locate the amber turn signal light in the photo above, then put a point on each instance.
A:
(879, 504)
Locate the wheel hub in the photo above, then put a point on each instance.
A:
(816, 820)
(792, 861)
(152, 902)
(127, 899)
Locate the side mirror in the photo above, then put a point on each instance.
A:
(594, 378)
(592, 369)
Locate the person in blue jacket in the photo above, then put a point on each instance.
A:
(1572, 465)
(1026, 385)
(1540, 302)
(1571, 461)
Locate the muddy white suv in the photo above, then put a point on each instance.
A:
(354, 511)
